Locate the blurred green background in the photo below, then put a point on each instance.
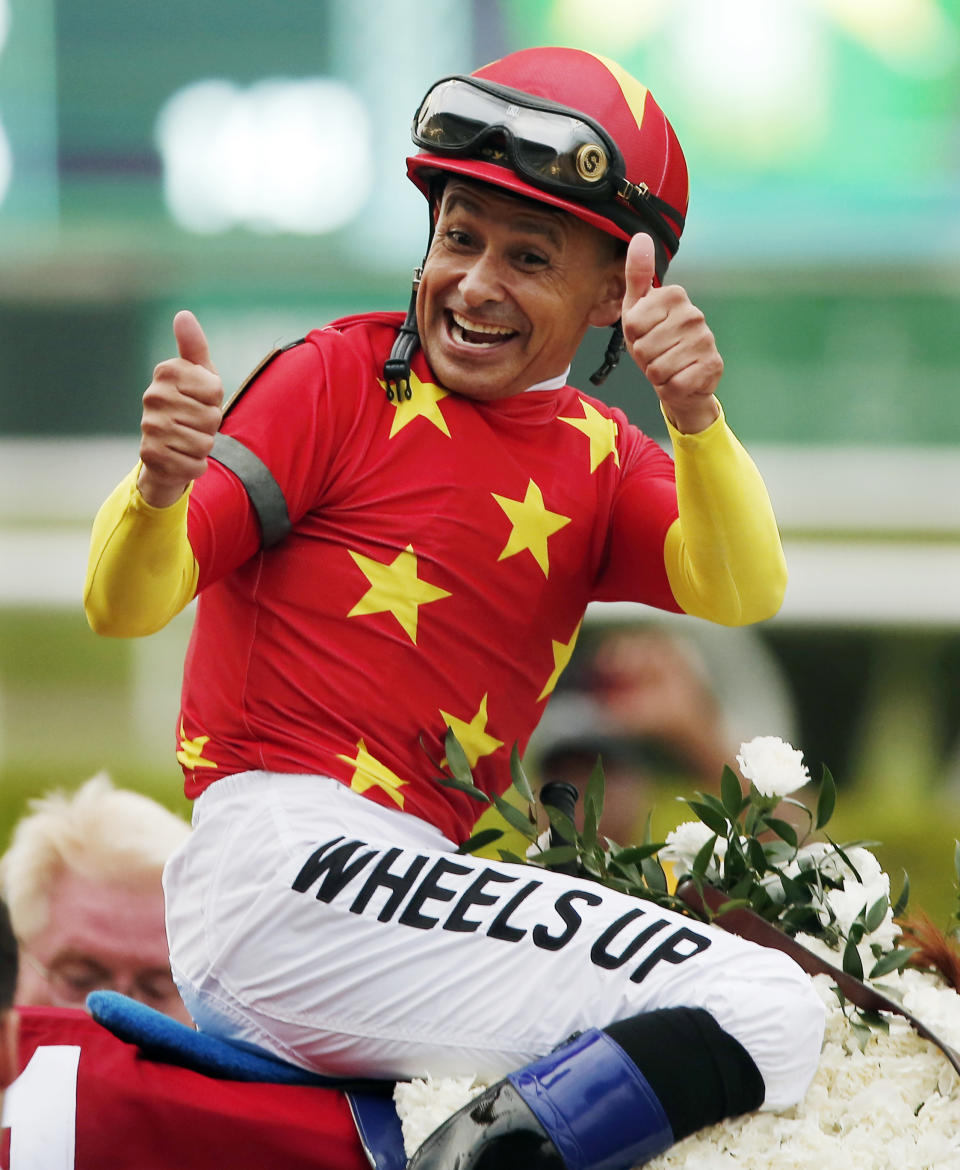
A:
(246, 160)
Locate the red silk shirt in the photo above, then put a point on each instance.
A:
(442, 555)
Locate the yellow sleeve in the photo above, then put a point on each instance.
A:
(722, 554)
(141, 570)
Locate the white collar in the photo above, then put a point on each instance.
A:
(551, 383)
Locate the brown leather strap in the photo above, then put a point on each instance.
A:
(751, 926)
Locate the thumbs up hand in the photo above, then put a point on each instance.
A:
(669, 340)
(181, 415)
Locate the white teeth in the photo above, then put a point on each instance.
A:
(477, 327)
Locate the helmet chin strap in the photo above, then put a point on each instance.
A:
(396, 369)
(615, 347)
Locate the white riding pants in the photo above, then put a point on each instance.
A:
(352, 939)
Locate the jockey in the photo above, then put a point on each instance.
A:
(394, 532)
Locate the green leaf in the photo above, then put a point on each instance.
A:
(593, 796)
(709, 799)
(715, 821)
(874, 1020)
(801, 920)
(956, 858)
(894, 960)
(851, 960)
(562, 825)
(629, 873)
(519, 776)
(516, 818)
(733, 904)
(731, 794)
(734, 866)
(827, 799)
(457, 758)
(796, 892)
(593, 805)
(653, 874)
(861, 1032)
(480, 840)
(742, 888)
(763, 904)
(876, 914)
(558, 855)
(844, 858)
(901, 903)
(784, 830)
(758, 858)
(592, 862)
(704, 856)
(511, 857)
(778, 852)
(466, 786)
(634, 853)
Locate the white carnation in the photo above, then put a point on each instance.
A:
(685, 842)
(862, 886)
(774, 767)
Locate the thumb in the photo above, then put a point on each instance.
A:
(191, 340)
(640, 268)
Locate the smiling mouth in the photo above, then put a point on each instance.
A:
(477, 332)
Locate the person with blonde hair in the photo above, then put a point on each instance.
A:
(72, 1093)
(8, 1017)
(82, 879)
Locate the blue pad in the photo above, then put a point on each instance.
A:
(594, 1104)
(162, 1038)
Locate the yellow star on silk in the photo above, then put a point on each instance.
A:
(421, 404)
(472, 736)
(395, 588)
(600, 430)
(370, 773)
(561, 656)
(191, 751)
(533, 525)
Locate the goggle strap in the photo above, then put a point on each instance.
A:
(631, 191)
(654, 210)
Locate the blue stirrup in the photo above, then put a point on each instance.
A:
(162, 1038)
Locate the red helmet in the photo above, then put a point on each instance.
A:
(564, 127)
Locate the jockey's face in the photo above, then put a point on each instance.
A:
(509, 288)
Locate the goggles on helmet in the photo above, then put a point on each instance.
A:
(557, 149)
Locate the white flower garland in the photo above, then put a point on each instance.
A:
(892, 1104)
